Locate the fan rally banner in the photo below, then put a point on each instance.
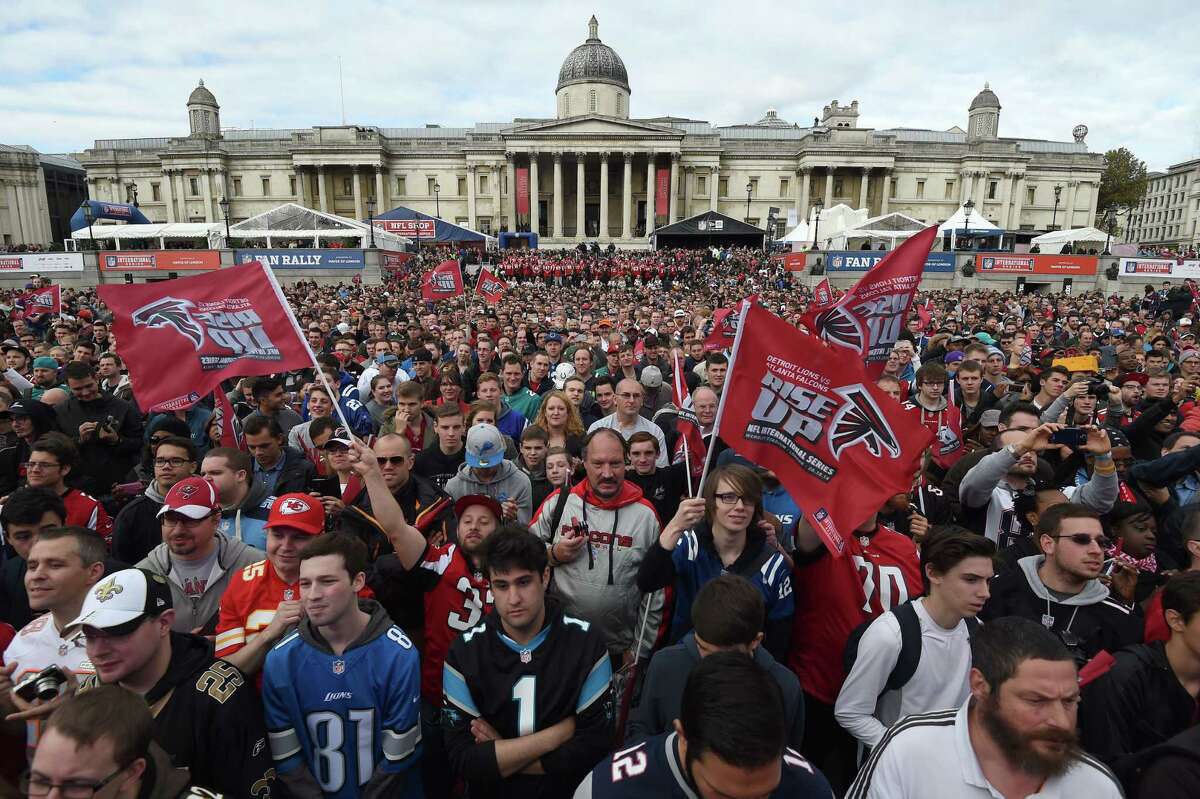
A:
(868, 318)
(443, 282)
(490, 287)
(838, 444)
(689, 444)
(181, 338)
(42, 302)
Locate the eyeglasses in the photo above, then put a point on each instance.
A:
(173, 518)
(174, 463)
(39, 466)
(1083, 540)
(37, 785)
(394, 460)
(628, 395)
(730, 498)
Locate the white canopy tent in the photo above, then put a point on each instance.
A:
(960, 223)
(890, 227)
(291, 225)
(1055, 240)
(832, 222)
(122, 235)
(800, 234)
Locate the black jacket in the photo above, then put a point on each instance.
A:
(298, 472)
(1172, 770)
(102, 465)
(1137, 704)
(137, 529)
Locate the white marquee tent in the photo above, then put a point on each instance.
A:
(291, 223)
(974, 225)
(1055, 240)
(158, 234)
(890, 227)
(832, 222)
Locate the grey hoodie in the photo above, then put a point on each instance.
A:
(509, 483)
(1093, 591)
(201, 611)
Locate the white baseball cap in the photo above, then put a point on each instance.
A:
(119, 602)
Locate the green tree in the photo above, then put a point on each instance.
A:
(1123, 182)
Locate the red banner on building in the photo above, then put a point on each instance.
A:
(802, 409)
(522, 190)
(490, 287)
(181, 338)
(160, 261)
(443, 282)
(999, 263)
(662, 192)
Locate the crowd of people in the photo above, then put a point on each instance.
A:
(463, 556)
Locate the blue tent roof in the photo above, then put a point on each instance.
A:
(443, 230)
(121, 212)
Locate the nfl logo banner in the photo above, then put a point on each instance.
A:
(443, 282)
(42, 302)
(490, 287)
(839, 445)
(181, 338)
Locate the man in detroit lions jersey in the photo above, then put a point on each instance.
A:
(342, 693)
(729, 741)
(528, 708)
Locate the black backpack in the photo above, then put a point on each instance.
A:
(910, 645)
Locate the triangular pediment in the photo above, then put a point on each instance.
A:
(592, 124)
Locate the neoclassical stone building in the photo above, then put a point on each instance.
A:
(593, 166)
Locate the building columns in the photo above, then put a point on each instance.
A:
(580, 195)
(689, 177)
(886, 191)
(1014, 215)
(714, 186)
(381, 203)
(802, 193)
(14, 212)
(604, 196)
(673, 204)
(980, 190)
(321, 191)
(863, 183)
(1005, 193)
(208, 198)
(511, 170)
(471, 178)
(355, 173)
(829, 186)
(169, 195)
(967, 180)
(627, 201)
(497, 213)
(1069, 214)
(558, 196)
(650, 167)
(535, 211)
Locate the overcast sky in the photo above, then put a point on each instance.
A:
(72, 72)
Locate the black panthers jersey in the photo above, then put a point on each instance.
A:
(519, 690)
(653, 770)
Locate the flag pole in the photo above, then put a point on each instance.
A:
(737, 341)
(687, 456)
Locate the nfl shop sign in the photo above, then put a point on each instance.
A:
(161, 260)
(1039, 264)
(303, 259)
(180, 338)
(412, 228)
(42, 262)
(838, 444)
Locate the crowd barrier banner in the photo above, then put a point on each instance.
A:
(41, 262)
(410, 228)
(304, 259)
(160, 261)
(1150, 268)
(863, 260)
(1037, 264)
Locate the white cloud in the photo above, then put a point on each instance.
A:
(73, 72)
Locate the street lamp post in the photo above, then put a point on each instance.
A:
(371, 214)
(1054, 216)
(89, 217)
(437, 200)
(224, 203)
(968, 206)
(749, 190)
(819, 205)
(1110, 221)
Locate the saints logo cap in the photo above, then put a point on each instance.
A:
(122, 600)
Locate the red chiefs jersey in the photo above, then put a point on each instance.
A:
(835, 595)
(946, 426)
(457, 601)
(84, 511)
(249, 604)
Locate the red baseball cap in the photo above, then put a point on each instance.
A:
(194, 497)
(299, 511)
(469, 500)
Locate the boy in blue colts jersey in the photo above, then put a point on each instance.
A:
(342, 693)
(528, 707)
(729, 741)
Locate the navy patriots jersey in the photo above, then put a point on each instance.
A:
(653, 770)
(519, 690)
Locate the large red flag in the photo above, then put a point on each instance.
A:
(181, 338)
(802, 409)
(822, 294)
(724, 329)
(443, 282)
(490, 287)
(689, 446)
(40, 302)
(231, 433)
(868, 318)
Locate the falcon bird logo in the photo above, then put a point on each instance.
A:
(839, 327)
(859, 420)
(171, 312)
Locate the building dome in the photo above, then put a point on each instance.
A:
(202, 96)
(593, 62)
(985, 99)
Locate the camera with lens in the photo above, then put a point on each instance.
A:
(44, 685)
(1098, 389)
(110, 424)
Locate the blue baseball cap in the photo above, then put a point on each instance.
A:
(485, 447)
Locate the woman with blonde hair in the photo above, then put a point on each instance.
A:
(559, 417)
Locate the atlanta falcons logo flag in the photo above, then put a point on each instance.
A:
(181, 338)
(490, 287)
(41, 302)
(868, 318)
(443, 282)
(822, 294)
(804, 410)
